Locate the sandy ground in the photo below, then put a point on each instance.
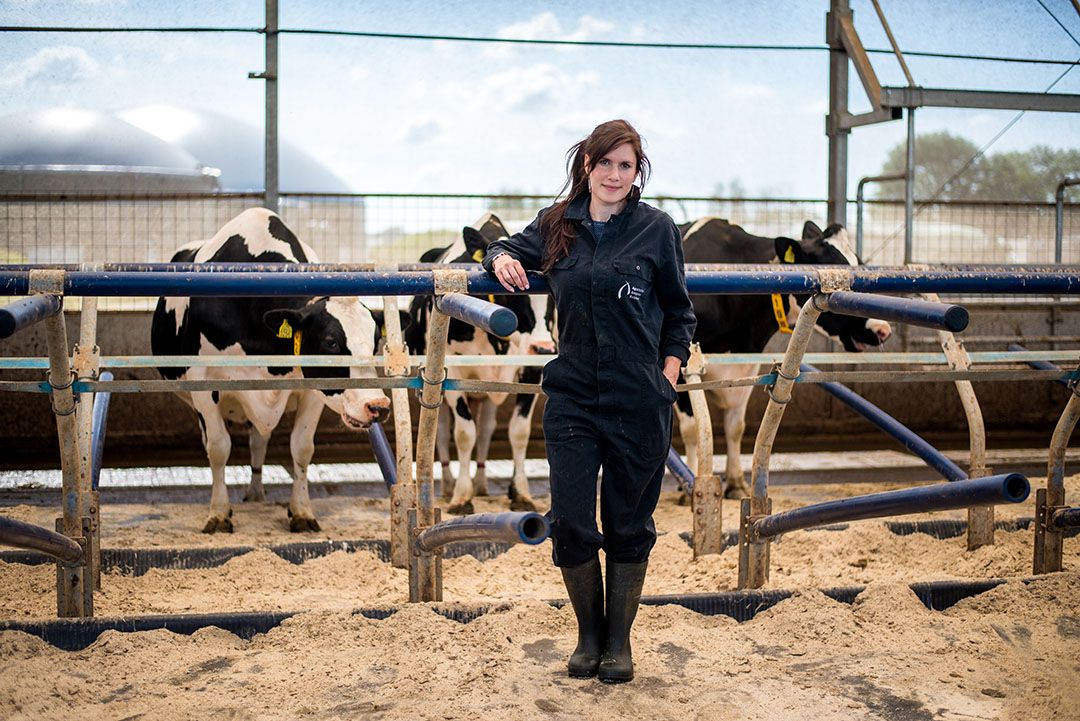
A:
(1013, 652)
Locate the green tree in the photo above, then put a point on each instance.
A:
(1021, 175)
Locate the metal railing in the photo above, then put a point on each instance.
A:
(397, 228)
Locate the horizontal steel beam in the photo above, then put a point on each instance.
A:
(1020, 280)
(989, 99)
(913, 311)
(25, 312)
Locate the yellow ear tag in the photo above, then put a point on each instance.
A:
(297, 337)
(285, 331)
(478, 255)
(789, 255)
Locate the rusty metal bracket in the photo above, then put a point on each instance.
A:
(834, 279)
(47, 282)
(451, 281)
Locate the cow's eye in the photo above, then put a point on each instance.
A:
(332, 345)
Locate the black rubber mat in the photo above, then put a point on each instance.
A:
(77, 634)
(137, 561)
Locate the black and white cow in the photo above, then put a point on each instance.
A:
(474, 415)
(745, 323)
(282, 326)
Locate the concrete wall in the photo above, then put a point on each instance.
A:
(146, 428)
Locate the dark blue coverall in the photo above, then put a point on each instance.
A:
(622, 308)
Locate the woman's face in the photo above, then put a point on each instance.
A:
(612, 176)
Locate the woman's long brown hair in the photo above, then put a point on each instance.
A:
(560, 233)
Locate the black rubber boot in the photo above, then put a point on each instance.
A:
(624, 582)
(585, 587)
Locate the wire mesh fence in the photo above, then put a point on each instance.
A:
(393, 228)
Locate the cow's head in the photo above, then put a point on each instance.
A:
(831, 247)
(336, 326)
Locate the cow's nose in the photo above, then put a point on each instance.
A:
(378, 411)
(542, 348)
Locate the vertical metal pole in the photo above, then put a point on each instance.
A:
(1048, 546)
(271, 179)
(403, 494)
(86, 365)
(909, 187)
(1059, 216)
(432, 374)
(838, 108)
(707, 496)
(859, 218)
(754, 553)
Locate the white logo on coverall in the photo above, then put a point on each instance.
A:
(632, 292)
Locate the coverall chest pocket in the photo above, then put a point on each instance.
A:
(633, 278)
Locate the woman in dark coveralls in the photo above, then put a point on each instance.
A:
(615, 268)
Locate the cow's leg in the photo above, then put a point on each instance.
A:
(218, 444)
(257, 443)
(734, 428)
(485, 429)
(464, 439)
(302, 447)
(442, 445)
(520, 429)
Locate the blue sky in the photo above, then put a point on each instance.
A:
(417, 116)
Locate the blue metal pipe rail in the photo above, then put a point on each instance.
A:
(98, 427)
(489, 317)
(908, 438)
(27, 311)
(942, 316)
(1045, 281)
(680, 470)
(529, 528)
(384, 454)
(1037, 364)
(1006, 488)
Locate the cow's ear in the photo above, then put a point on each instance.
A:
(811, 231)
(475, 245)
(789, 251)
(283, 321)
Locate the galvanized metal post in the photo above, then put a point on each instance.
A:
(980, 518)
(1059, 217)
(432, 374)
(87, 361)
(838, 108)
(859, 205)
(74, 580)
(1048, 546)
(909, 187)
(270, 77)
(63, 400)
(707, 495)
(403, 494)
(754, 552)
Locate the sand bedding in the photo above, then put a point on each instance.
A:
(1013, 652)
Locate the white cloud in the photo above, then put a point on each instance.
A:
(546, 26)
(747, 91)
(530, 88)
(55, 65)
(420, 131)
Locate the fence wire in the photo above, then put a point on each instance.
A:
(390, 228)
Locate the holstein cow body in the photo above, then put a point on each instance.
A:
(284, 326)
(474, 414)
(744, 324)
